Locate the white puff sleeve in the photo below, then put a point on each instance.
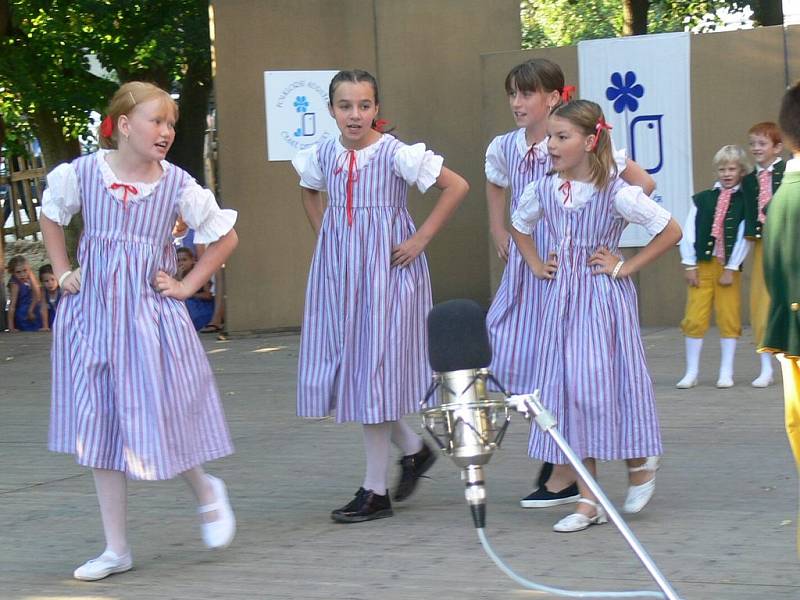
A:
(62, 198)
(620, 159)
(529, 210)
(307, 166)
(200, 211)
(633, 205)
(495, 165)
(418, 166)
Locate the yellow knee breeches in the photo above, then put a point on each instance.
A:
(725, 300)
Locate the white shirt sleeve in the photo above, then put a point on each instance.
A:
(620, 159)
(200, 211)
(62, 198)
(418, 166)
(529, 210)
(636, 207)
(495, 166)
(688, 255)
(740, 250)
(307, 166)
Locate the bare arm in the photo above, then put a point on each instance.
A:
(12, 307)
(454, 189)
(636, 175)
(212, 259)
(314, 206)
(527, 248)
(666, 239)
(44, 310)
(496, 206)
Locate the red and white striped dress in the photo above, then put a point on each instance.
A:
(363, 347)
(590, 363)
(132, 387)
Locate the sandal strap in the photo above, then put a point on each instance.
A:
(591, 503)
(207, 508)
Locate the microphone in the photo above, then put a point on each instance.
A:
(466, 424)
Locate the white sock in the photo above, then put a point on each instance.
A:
(377, 445)
(693, 348)
(728, 348)
(405, 438)
(766, 365)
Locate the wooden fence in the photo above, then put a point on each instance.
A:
(22, 182)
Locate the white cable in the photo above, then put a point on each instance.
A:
(532, 585)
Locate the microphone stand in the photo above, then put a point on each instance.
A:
(534, 409)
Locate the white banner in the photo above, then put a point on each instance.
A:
(297, 111)
(643, 85)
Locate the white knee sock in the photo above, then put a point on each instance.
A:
(728, 348)
(693, 348)
(405, 438)
(112, 495)
(766, 365)
(377, 444)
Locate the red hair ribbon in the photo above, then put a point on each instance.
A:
(566, 189)
(380, 125)
(352, 175)
(107, 127)
(601, 124)
(128, 188)
(566, 93)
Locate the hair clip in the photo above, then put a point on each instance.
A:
(107, 127)
(130, 93)
(601, 124)
(566, 93)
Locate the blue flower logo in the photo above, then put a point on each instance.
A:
(301, 104)
(625, 93)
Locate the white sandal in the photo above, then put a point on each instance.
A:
(639, 495)
(579, 521)
(218, 534)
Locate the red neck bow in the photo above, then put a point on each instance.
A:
(566, 189)
(349, 157)
(601, 124)
(128, 188)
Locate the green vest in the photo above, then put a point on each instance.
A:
(706, 203)
(781, 258)
(753, 227)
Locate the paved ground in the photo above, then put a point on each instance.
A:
(722, 524)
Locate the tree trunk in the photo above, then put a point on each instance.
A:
(767, 12)
(187, 151)
(634, 17)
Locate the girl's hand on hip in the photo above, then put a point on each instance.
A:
(72, 283)
(547, 270)
(170, 287)
(603, 261)
(502, 242)
(726, 278)
(405, 253)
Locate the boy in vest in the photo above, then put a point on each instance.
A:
(713, 249)
(766, 146)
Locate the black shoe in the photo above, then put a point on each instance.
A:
(542, 498)
(412, 468)
(366, 506)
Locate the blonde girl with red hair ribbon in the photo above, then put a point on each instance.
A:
(713, 249)
(590, 365)
(513, 160)
(133, 395)
(363, 351)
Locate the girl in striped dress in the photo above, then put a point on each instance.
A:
(363, 350)
(513, 160)
(133, 393)
(590, 364)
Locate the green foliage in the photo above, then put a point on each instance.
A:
(44, 56)
(547, 23)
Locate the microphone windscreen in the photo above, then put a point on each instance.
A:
(457, 337)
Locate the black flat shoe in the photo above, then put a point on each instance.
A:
(366, 506)
(412, 467)
(542, 497)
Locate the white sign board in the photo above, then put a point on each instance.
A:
(643, 85)
(297, 111)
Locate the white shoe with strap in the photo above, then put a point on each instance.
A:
(639, 495)
(104, 565)
(218, 534)
(579, 521)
